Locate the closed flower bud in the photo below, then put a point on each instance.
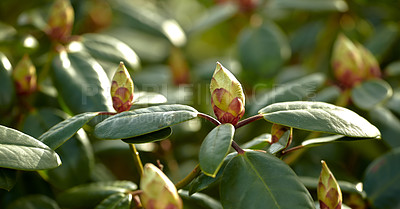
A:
(61, 20)
(277, 132)
(24, 75)
(227, 97)
(328, 190)
(371, 65)
(158, 191)
(347, 62)
(122, 89)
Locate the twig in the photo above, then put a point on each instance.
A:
(248, 120)
(136, 159)
(209, 118)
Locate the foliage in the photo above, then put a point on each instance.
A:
(304, 81)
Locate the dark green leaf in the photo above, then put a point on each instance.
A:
(81, 82)
(259, 180)
(200, 200)
(142, 121)
(292, 91)
(382, 179)
(215, 147)
(328, 139)
(311, 5)
(150, 137)
(22, 152)
(328, 94)
(394, 102)
(203, 181)
(64, 130)
(393, 69)
(90, 195)
(8, 178)
(388, 124)
(259, 142)
(252, 53)
(34, 202)
(384, 39)
(116, 201)
(7, 91)
(214, 16)
(78, 161)
(320, 117)
(371, 93)
(281, 144)
(7, 32)
(312, 183)
(104, 47)
(144, 98)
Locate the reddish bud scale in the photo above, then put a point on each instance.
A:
(328, 190)
(122, 89)
(60, 21)
(277, 132)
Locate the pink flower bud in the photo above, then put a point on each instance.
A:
(24, 75)
(227, 97)
(371, 65)
(328, 190)
(347, 62)
(60, 21)
(158, 191)
(122, 89)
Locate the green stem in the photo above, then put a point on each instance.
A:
(136, 159)
(185, 181)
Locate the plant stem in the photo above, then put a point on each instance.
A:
(292, 149)
(238, 149)
(248, 120)
(185, 181)
(209, 118)
(136, 159)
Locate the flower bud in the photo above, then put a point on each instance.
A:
(158, 191)
(61, 20)
(371, 65)
(277, 132)
(227, 97)
(24, 75)
(328, 190)
(122, 89)
(347, 62)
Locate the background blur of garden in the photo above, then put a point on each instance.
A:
(280, 50)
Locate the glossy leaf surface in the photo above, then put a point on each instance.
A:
(381, 180)
(81, 82)
(116, 201)
(388, 124)
(215, 147)
(90, 195)
(371, 93)
(320, 117)
(142, 121)
(260, 180)
(150, 137)
(23, 152)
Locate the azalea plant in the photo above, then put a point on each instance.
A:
(145, 106)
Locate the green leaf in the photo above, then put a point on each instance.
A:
(8, 178)
(81, 83)
(281, 144)
(394, 102)
(292, 91)
(393, 69)
(116, 201)
(259, 142)
(215, 147)
(60, 133)
(34, 202)
(22, 152)
(382, 180)
(204, 181)
(142, 121)
(213, 16)
(252, 53)
(388, 124)
(328, 139)
(150, 137)
(145, 98)
(108, 48)
(199, 200)
(7, 91)
(371, 93)
(90, 195)
(311, 5)
(383, 40)
(259, 180)
(320, 117)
